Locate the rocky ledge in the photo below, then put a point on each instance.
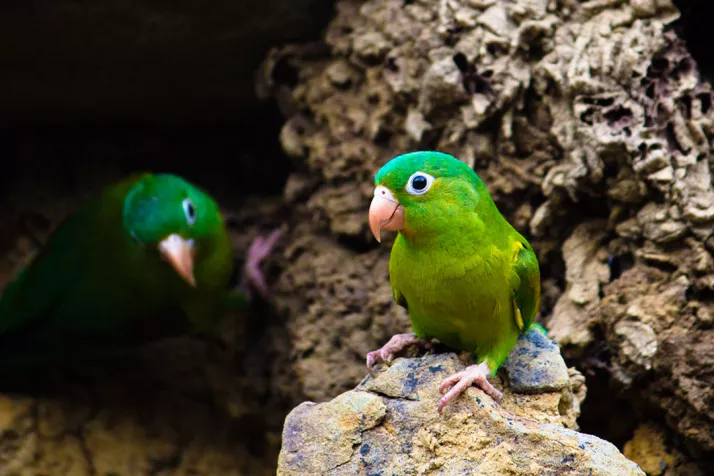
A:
(389, 424)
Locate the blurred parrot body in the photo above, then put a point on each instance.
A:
(464, 274)
(149, 258)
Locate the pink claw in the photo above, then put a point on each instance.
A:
(258, 251)
(473, 374)
(387, 351)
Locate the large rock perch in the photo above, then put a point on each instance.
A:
(389, 425)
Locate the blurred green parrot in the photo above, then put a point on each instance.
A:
(149, 258)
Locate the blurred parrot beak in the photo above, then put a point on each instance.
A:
(179, 253)
(385, 213)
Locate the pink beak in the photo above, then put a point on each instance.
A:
(385, 213)
(179, 252)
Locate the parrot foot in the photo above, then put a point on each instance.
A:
(473, 374)
(395, 345)
(258, 251)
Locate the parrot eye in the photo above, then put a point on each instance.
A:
(190, 211)
(419, 183)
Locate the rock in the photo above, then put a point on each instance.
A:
(648, 449)
(389, 425)
(653, 325)
(139, 62)
(159, 412)
(313, 429)
(535, 364)
(585, 273)
(639, 342)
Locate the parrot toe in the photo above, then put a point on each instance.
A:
(395, 345)
(474, 374)
(258, 251)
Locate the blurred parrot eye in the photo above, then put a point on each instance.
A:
(190, 211)
(419, 183)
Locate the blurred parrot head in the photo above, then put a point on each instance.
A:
(172, 217)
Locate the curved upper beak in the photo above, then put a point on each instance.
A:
(179, 253)
(385, 212)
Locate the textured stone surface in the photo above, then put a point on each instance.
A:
(389, 425)
(535, 364)
(650, 450)
(168, 411)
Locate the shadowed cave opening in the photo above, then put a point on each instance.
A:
(239, 159)
(694, 26)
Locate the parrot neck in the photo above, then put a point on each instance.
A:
(459, 232)
(462, 235)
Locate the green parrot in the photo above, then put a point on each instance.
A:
(465, 276)
(149, 258)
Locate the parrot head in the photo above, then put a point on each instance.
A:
(419, 193)
(172, 217)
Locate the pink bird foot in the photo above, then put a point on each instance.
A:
(396, 344)
(252, 275)
(473, 374)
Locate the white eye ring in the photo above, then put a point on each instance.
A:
(422, 175)
(189, 210)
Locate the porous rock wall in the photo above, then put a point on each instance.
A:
(592, 129)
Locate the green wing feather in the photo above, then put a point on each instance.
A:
(527, 294)
(399, 298)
